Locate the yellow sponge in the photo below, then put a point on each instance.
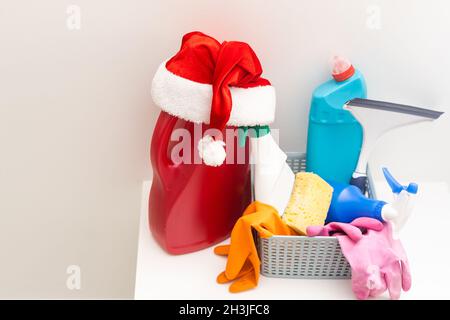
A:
(309, 202)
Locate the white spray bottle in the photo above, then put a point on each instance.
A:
(273, 179)
(402, 205)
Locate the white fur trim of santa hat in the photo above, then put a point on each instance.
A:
(191, 101)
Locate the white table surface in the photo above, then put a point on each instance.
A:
(192, 276)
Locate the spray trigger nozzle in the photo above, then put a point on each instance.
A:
(412, 188)
(396, 187)
(399, 211)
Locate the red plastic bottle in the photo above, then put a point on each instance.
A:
(193, 206)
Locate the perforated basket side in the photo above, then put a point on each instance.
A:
(299, 256)
(303, 257)
(297, 161)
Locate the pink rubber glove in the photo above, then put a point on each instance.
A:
(378, 261)
(353, 230)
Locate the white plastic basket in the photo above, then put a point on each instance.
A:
(301, 256)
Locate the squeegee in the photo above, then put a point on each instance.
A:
(377, 118)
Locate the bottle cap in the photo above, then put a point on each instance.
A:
(342, 69)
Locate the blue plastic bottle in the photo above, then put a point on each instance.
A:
(348, 203)
(334, 135)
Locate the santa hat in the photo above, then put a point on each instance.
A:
(214, 83)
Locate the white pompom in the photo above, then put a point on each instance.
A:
(212, 151)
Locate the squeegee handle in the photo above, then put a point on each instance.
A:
(360, 182)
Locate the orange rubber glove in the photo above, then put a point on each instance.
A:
(243, 263)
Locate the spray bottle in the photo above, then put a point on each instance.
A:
(348, 203)
(273, 179)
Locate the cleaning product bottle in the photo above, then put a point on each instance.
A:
(403, 203)
(348, 203)
(201, 185)
(188, 209)
(334, 135)
(273, 179)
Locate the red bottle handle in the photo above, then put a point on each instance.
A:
(164, 166)
(159, 145)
